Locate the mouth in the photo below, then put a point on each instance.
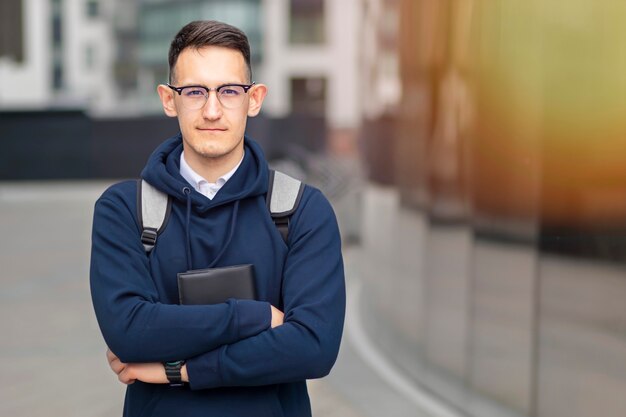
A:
(211, 129)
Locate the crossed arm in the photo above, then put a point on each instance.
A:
(229, 344)
(154, 372)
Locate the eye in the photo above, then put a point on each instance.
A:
(193, 92)
(229, 90)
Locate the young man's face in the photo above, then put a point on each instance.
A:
(213, 132)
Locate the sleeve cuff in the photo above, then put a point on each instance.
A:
(253, 317)
(203, 371)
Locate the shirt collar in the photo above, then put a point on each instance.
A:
(196, 180)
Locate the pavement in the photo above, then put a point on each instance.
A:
(54, 355)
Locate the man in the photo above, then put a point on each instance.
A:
(240, 357)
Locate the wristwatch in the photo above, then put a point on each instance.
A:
(172, 371)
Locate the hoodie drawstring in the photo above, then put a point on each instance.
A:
(233, 222)
(187, 192)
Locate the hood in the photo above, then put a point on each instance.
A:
(250, 179)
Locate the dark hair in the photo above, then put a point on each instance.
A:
(201, 33)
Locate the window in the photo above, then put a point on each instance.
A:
(57, 24)
(90, 57)
(306, 22)
(57, 76)
(93, 8)
(57, 45)
(308, 95)
(11, 41)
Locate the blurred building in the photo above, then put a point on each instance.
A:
(305, 50)
(379, 57)
(108, 56)
(56, 54)
(381, 87)
(311, 60)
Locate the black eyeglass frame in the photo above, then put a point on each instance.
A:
(217, 89)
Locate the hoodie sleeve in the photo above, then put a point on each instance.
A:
(135, 325)
(307, 344)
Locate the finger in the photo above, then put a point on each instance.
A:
(124, 377)
(111, 356)
(117, 366)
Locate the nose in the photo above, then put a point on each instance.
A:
(212, 109)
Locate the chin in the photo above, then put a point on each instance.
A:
(210, 146)
(215, 152)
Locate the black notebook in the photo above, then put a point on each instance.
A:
(216, 285)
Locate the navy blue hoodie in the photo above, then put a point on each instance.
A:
(237, 364)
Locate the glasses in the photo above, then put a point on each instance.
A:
(194, 97)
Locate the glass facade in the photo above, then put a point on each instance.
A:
(507, 150)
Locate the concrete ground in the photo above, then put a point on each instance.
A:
(53, 354)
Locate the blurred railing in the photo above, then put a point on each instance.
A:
(69, 144)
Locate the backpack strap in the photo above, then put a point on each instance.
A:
(153, 210)
(153, 206)
(283, 196)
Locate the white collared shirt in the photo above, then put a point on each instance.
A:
(201, 185)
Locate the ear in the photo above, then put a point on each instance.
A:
(257, 95)
(167, 99)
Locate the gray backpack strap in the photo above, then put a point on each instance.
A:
(153, 209)
(283, 196)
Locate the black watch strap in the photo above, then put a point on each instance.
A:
(172, 371)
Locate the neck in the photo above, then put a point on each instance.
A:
(212, 168)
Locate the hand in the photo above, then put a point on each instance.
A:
(151, 373)
(117, 366)
(277, 317)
